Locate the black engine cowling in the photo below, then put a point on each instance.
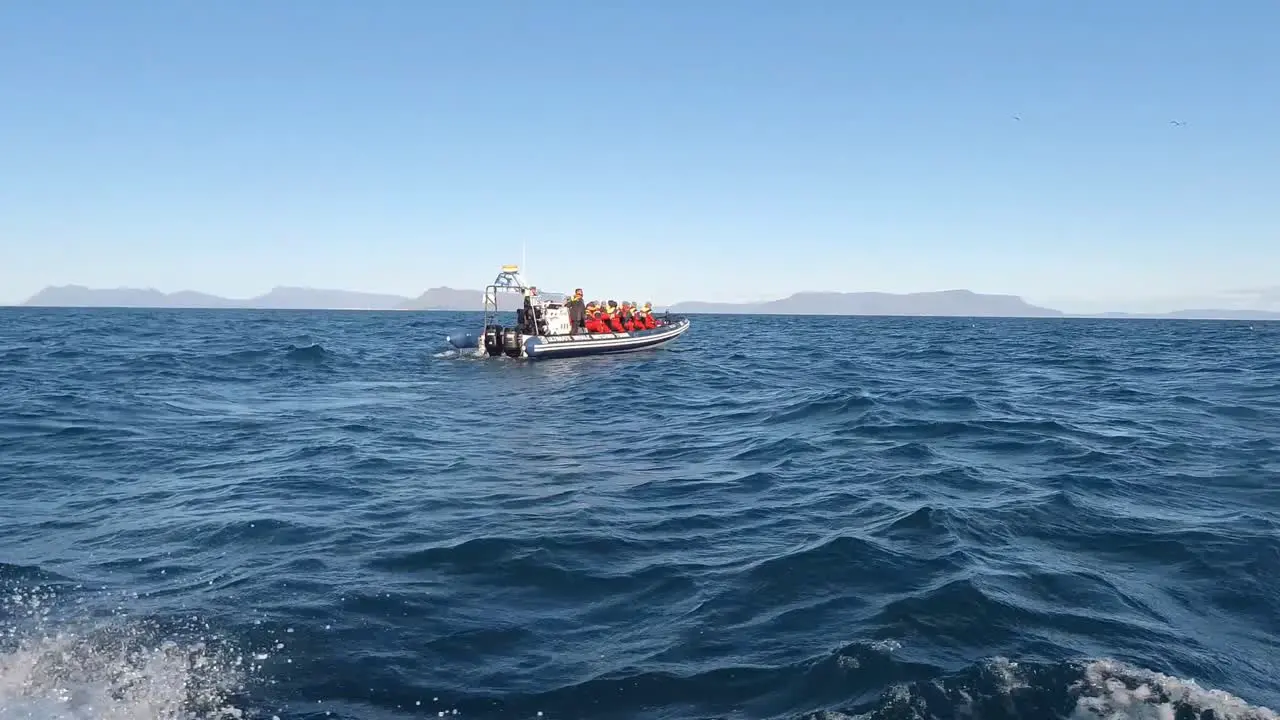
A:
(493, 340)
(511, 342)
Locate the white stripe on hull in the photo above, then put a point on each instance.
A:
(613, 342)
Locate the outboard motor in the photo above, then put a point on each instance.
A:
(511, 342)
(493, 340)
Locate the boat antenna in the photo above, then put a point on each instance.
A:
(522, 265)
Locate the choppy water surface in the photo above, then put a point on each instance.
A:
(308, 515)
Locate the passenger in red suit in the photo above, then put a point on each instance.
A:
(628, 317)
(614, 317)
(647, 315)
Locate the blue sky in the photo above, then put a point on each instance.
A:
(692, 149)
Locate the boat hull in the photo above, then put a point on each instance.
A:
(538, 347)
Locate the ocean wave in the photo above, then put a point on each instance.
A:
(53, 667)
(862, 524)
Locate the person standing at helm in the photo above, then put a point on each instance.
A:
(577, 311)
(525, 318)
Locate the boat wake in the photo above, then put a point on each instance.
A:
(460, 354)
(111, 669)
(121, 668)
(1006, 690)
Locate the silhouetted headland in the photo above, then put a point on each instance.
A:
(943, 303)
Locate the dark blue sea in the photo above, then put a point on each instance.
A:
(325, 515)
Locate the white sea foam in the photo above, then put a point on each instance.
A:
(1111, 689)
(1101, 690)
(115, 669)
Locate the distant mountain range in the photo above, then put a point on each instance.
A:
(280, 298)
(945, 303)
(1205, 314)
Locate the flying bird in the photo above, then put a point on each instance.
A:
(1177, 123)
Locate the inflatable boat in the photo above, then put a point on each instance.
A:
(542, 329)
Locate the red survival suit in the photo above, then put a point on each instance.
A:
(613, 318)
